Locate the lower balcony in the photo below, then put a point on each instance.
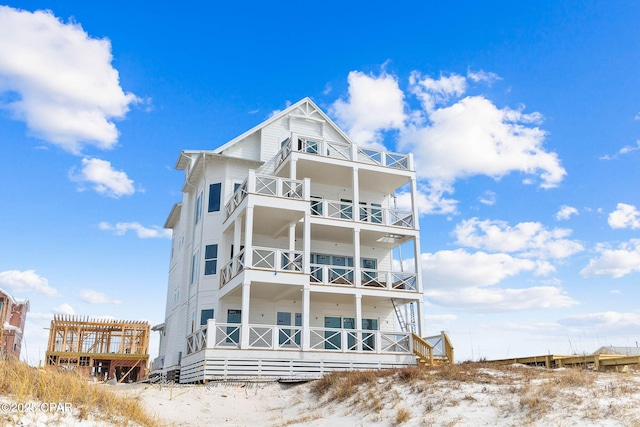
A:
(272, 337)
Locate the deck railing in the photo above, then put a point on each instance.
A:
(339, 150)
(341, 275)
(267, 186)
(442, 347)
(343, 210)
(278, 260)
(284, 337)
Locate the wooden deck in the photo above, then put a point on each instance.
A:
(597, 361)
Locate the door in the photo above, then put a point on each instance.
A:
(346, 209)
(369, 275)
(350, 323)
(289, 337)
(233, 332)
(369, 338)
(333, 339)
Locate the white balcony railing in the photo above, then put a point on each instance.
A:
(277, 260)
(284, 337)
(267, 186)
(334, 209)
(341, 275)
(338, 150)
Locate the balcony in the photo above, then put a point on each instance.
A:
(267, 186)
(271, 337)
(344, 276)
(342, 151)
(333, 209)
(270, 259)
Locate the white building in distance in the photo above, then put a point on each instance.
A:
(290, 257)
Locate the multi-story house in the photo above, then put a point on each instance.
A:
(13, 315)
(291, 257)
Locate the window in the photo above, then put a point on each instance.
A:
(194, 267)
(214, 197)
(199, 208)
(206, 315)
(210, 259)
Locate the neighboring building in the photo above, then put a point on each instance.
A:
(13, 315)
(106, 349)
(290, 257)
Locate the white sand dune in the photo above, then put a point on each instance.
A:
(513, 396)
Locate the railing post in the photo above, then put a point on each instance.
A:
(251, 181)
(211, 333)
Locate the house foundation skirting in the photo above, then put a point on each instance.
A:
(212, 365)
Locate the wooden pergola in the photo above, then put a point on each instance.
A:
(104, 348)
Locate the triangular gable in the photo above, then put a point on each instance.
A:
(305, 109)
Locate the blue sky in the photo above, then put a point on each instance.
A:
(524, 120)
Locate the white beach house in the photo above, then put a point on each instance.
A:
(291, 256)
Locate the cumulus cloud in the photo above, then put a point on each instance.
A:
(440, 318)
(431, 199)
(565, 212)
(432, 92)
(142, 232)
(26, 281)
(462, 280)
(63, 308)
(607, 322)
(502, 300)
(529, 239)
(625, 216)
(461, 269)
(374, 104)
(614, 262)
(474, 137)
(103, 178)
(60, 80)
(95, 297)
(451, 138)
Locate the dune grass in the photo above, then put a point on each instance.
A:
(22, 383)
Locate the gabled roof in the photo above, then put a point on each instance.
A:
(309, 109)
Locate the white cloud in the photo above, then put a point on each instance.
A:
(432, 92)
(142, 232)
(608, 321)
(374, 104)
(26, 281)
(431, 199)
(103, 177)
(483, 76)
(461, 269)
(614, 262)
(625, 216)
(501, 300)
(61, 80)
(474, 137)
(63, 308)
(440, 318)
(529, 239)
(565, 212)
(624, 150)
(95, 297)
(488, 198)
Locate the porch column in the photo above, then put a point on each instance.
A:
(422, 323)
(414, 202)
(248, 238)
(357, 264)
(244, 322)
(306, 315)
(306, 241)
(237, 235)
(356, 194)
(293, 167)
(358, 324)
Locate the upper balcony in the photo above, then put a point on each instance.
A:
(332, 163)
(264, 185)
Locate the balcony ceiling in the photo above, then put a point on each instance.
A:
(343, 235)
(274, 222)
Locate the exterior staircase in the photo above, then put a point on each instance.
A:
(435, 349)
